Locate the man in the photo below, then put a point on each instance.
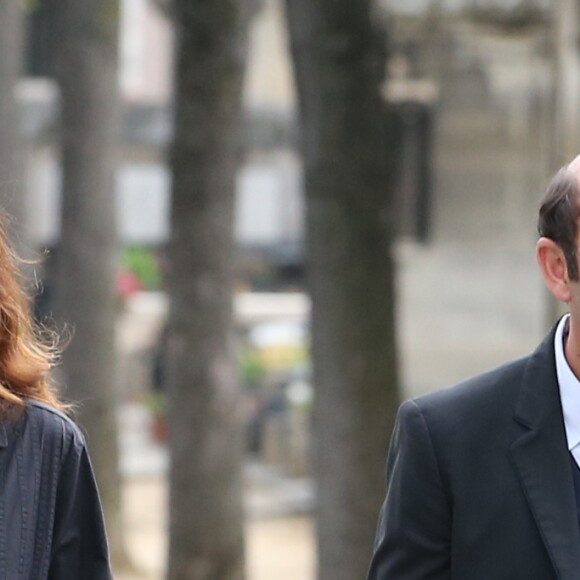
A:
(484, 477)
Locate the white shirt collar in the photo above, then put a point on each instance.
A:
(569, 387)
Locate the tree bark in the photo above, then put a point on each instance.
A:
(87, 258)
(206, 515)
(12, 189)
(339, 65)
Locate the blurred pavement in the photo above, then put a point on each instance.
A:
(279, 526)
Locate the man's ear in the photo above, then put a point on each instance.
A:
(552, 263)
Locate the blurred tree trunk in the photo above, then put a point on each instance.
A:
(12, 187)
(339, 65)
(206, 515)
(86, 262)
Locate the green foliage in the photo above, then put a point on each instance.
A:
(251, 369)
(107, 20)
(31, 6)
(141, 262)
(157, 402)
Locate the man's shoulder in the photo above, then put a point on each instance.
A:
(465, 418)
(482, 395)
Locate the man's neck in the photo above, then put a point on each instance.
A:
(572, 348)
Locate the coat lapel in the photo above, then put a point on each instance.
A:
(542, 460)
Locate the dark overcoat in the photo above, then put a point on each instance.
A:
(480, 483)
(51, 524)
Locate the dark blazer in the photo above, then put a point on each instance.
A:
(51, 525)
(480, 483)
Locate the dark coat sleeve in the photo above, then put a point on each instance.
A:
(79, 541)
(413, 536)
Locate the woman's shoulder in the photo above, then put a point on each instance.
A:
(50, 421)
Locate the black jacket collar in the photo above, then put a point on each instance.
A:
(542, 460)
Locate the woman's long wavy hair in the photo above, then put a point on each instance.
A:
(26, 357)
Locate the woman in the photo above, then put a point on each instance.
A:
(51, 524)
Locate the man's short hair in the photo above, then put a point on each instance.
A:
(559, 217)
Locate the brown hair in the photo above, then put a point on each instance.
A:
(26, 358)
(559, 217)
